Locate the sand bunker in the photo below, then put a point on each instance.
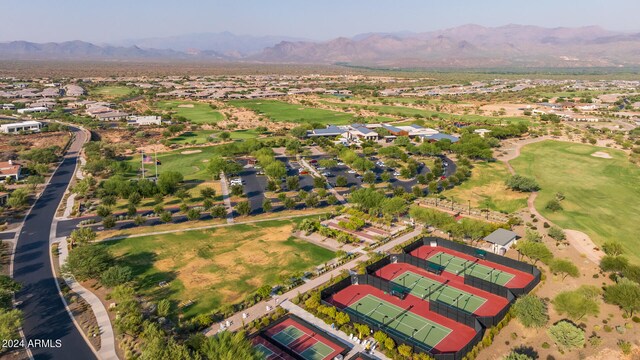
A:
(187, 152)
(601, 154)
(185, 106)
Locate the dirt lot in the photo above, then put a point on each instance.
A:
(19, 142)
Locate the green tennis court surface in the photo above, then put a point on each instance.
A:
(263, 349)
(317, 351)
(399, 321)
(460, 266)
(423, 287)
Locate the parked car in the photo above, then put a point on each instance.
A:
(351, 171)
(396, 174)
(322, 168)
(340, 163)
(313, 161)
(327, 174)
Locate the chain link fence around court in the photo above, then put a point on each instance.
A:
(472, 251)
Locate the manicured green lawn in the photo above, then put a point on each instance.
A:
(486, 189)
(203, 136)
(281, 111)
(190, 162)
(112, 91)
(197, 113)
(217, 267)
(602, 195)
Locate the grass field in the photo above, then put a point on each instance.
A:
(190, 162)
(112, 91)
(282, 111)
(602, 195)
(196, 112)
(203, 136)
(219, 266)
(486, 189)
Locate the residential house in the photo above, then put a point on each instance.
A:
(10, 169)
(39, 109)
(145, 120)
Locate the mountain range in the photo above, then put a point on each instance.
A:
(464, 46)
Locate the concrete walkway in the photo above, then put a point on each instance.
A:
(260, 309)
(310, 318)
(107, 339)
(226, 197)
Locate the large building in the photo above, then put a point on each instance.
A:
(360, 132)
(144, 120)
(21, 126)
(38, 109)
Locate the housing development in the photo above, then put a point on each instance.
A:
(239, 202)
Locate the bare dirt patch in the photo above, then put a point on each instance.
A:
(187, 152)
(601, 154)
(185, 106)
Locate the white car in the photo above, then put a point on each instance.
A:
(396, 174)
(380, 163)
(351, 171)
(321, 168)
(341, 164)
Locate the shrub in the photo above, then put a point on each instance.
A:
(553, 205)
(578, 303)
(557, 233)
(567, 335)
(531, 311)
(522, 183)
(116, 275)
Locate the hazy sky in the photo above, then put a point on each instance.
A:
(113, 20)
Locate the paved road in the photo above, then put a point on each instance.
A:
(46, 317)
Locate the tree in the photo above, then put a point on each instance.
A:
(553, 205)
(168, 181)
(139, 220)
(166, 217)
(164, 307)
(319, 182)
(531, 311)
(394, 206)
(535, 251)
(522, 183)
(135, 198)
(219, 211)
(389, 344)
(289, 203)
(578, 303)
(341, 181)
(312, 200)
(10, 324)
(243, 208)
(116, 275)
(109, 222)
(362, 329)
(293, 183)
(369, 177)
(267, 205)
(625, 294)
(87, 262)
(342, 318)
(82, 236)
(237, 190)
(332, 199)
(433, 187)
(557, 233)
(612, 248)
(566, 335)
(193, 214)
(275, 170)
(18, 198)
(405, 350)
(229, 346)
(131, 210)
(207, 193)
(564, 267)
(385, 176)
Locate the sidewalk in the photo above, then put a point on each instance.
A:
(308, 317)
(260, 309)
(107, 339)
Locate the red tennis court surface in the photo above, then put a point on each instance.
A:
(491, 307)
(271, 352)
(520, 279)
(460, 335)
(306, 341)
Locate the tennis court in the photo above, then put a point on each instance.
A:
(423, 288)
(399, 321)
(460, 266)
(291, 334)
(263, 349)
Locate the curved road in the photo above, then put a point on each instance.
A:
(45, 316)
